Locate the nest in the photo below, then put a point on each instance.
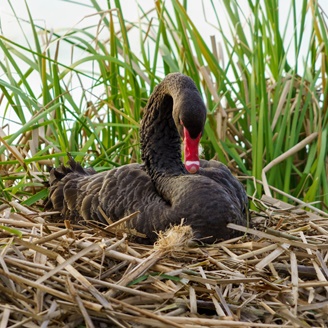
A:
(275, 275)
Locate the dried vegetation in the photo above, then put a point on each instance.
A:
(54, 275)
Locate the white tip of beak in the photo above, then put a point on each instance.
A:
(192, 166)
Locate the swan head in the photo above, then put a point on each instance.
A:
(189, 114)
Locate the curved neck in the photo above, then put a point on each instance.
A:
(160, 140)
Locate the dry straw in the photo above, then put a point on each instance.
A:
(54, 275)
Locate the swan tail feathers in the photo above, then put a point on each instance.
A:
(59, 184)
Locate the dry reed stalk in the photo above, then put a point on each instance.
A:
(77, 299)
(127, 290)
(146, 313)
(5, 318)
(203, 322)
(276, 239)
(272, 256)
(315, 214)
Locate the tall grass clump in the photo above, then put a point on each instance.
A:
(83, 90)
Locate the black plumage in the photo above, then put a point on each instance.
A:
(161, 188)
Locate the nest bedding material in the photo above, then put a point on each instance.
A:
(53, 275)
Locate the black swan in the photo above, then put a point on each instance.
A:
(203, 193)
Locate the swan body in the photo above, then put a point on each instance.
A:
(203, 193)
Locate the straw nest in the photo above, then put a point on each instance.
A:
(54, 275)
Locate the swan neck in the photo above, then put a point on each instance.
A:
(160, 140)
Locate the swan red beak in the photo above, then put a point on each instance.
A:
(191, 151)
